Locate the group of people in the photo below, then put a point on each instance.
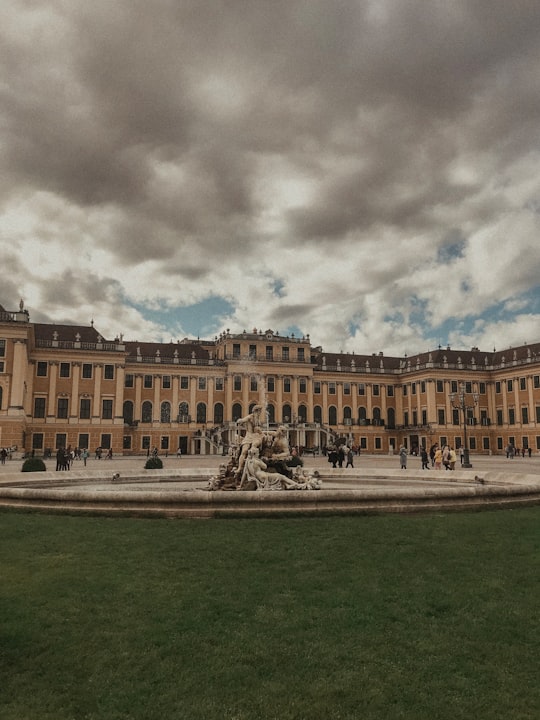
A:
(438, 457)
(512, 451)
(338, 454)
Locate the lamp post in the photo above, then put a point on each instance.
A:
(459, 401)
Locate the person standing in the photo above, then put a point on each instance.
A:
(85, 455)
(403, 457)
(424, 457)
(349, 458)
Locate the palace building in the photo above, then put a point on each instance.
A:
(64, 385)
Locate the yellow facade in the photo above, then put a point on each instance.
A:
(64, 385)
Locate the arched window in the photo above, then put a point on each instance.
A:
(218, 413)
(271, 410)
(146, 415)
(183, 412)
(332, 415)
(236, 412)
(201, 412)
(302, 414)
(0, 398)
(127, 411)
(391, 418)
(165, 412)
(317, 414)
(251, 406)
(362, 415)
(286, 414)
(347, 415)
(376, 416)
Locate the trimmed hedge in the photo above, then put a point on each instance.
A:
(34, 464)
(153, 463)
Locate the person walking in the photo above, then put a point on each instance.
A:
(424, 457)
(349, 458)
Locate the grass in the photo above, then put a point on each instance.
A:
(420, 617)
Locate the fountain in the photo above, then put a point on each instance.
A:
(260, 459)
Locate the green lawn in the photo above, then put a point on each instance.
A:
(387, 617)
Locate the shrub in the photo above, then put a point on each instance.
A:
(33, 464)
(154, 463)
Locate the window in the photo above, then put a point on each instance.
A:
(440, 386)
(455, 416)
(522, 384)
(453, 386)
(108, 372)
(405, 391)
(61, 440)
(498, 386)
(105, 441)
(236, 412)
(201, 412)
(363, 443)
(538, 413)
(500, 420)
(146, 414)
(107, 409)
(129, 381)
(269, 352)
(377, 390)
(301, 355)
(84, 408)
(41, 369)
(482, 388)
(287, 384)
(361, 389)
(145, 442)
(236, 350)
(316, 387)
(62, 408)
(148, 381)
(183, 412)
(218, 413)
(253, 384)
(87, 369)
(37, 441)
(472, 443)
(332, 415)
(237, 383)
(485, 443)
(423, 386)
(317, 414)
(164, 442)
(332, 388)
(536, 381)
(406, 418)
(284, 353)
(127, 412)
(468, 387)
(65, 369)
(126, 442)
(2, 348)
(525, 415)
(378, 443)
(424, 417)
(219, 383)
(253, 352)
(166, 382)
(390, 390)
(270, 384)
(165, 415)
(440, 416)
(413, 388)
(39, 407)
(511, 416)
(184, 383)
(201, 383)
(302, 386)
(510, 385)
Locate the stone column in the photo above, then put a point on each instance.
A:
(53, 377)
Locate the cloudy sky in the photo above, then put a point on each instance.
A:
(365, 171)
